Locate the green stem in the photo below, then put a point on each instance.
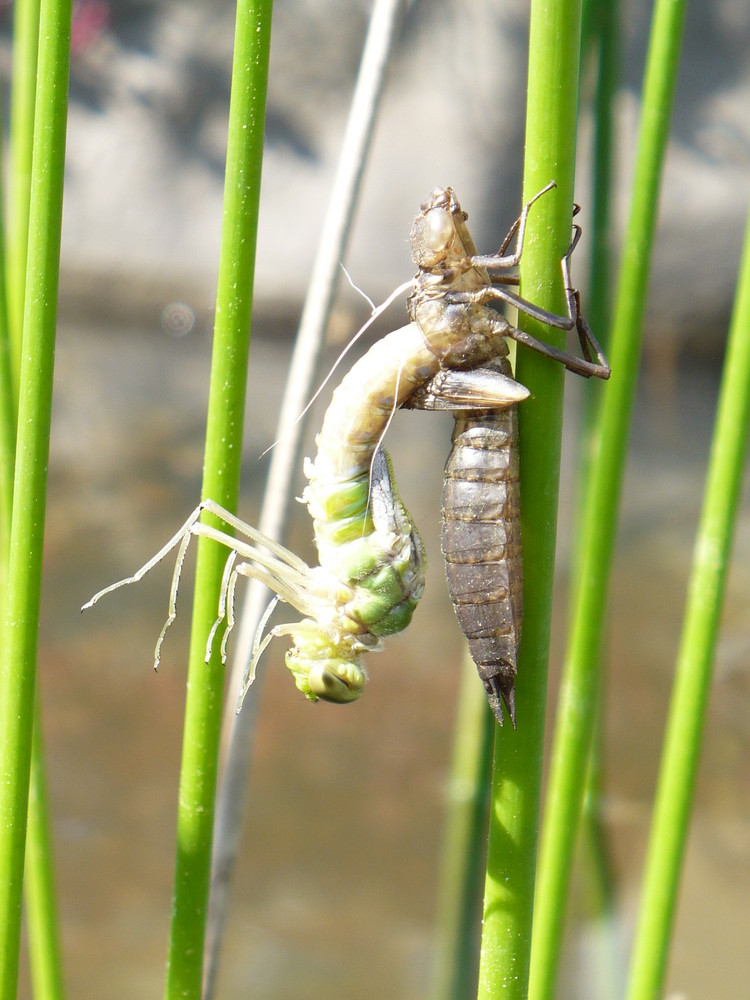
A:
(39, 887)
(8, 394)
(22, 96)
(687, 713)
(460, 886)
(554, 50)
(237, 737)
(39, 884)
(17, 676)
(572, 740)
(221, 477)
(608, 66)
(604, 20)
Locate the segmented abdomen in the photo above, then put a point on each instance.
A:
(482, 545)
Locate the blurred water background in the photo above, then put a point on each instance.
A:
(335, 893)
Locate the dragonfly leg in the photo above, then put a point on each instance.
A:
(227, 602)
(586, 366)
(225, 598)
(259, 647)
(581, 366)
(264, 559)
(594, 362)
(176, 539)
(498, 261)
(181, 553)
(192, 526)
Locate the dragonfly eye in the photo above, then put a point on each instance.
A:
(339, 681)
(438, 229)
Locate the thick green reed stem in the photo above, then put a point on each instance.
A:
(221, 478)
(19, 645)
(674, 796)
(577, 711)
(554, 49)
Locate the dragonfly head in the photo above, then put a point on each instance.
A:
(329, 678)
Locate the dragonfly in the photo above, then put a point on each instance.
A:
(371, 568)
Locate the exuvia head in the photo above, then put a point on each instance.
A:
(435, 236)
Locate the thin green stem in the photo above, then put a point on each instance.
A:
(221, 477)
(599, 883)
(42, 922)
(22, 97)
(574, 729)
(554, 51)
(18, 669)
(8, 395)
(39, 887)
(687, 713)
(237, 736)
(607, 76)
(604, 36)
(461, 874)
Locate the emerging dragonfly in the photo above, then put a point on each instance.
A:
(371, 572)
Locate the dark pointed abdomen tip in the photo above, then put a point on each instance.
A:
(501, 691)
